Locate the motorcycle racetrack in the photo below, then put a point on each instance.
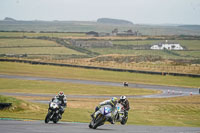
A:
(33, 126)
(167, 91)
(16, 126)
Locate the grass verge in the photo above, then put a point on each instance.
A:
(180, 111)
(90, 74)
(18, 106)
(45, 87)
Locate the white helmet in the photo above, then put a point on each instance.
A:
(123, 98)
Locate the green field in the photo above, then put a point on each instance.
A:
(40, 51)
(105, 51)
(189, 54)
(45, 47)
(137, 42)
(179, 111)
(34, 47)
(44, 87)
(192, 46)
(186, 61)
(189, 44)
(26, 43)
(161, 53)
(22, 34)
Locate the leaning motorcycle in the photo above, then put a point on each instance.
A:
(120, 116)
(53, 112)
(101, 116)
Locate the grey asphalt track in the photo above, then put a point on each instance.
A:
(14, 126)
(167, 91)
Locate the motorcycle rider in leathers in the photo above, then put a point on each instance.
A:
(63, 102)
(112, 102)
(124, 101)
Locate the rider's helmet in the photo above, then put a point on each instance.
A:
(123, 98)
(114, 101)
(61, 95)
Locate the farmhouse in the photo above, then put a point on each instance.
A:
(167, 45)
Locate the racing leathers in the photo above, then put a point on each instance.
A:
(62, 103)
(112, 103)
(125, 103)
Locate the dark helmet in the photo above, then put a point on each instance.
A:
(114, 101)
(61, 95)
(123, 98)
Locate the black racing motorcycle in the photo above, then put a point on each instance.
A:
(53, 111)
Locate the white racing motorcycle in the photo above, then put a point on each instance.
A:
(101, 116)
(53, 111)
(119, 114)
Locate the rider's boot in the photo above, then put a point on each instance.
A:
(60, 114)
(92, 115)
(126, 114)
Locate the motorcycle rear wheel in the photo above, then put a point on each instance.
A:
(124, 120)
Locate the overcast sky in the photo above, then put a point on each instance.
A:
(137, 11)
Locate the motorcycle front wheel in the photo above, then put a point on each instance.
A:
(98, 121)
(47, 119)
(55, 119)
(90, 125)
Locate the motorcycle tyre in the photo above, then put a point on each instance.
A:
(47, 119)
(56, 118)
(124, 120)
(90, 125)
(98, 122)
(55, 121)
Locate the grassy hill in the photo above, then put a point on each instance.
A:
(114, 21)
(85, 26)
(191, 27)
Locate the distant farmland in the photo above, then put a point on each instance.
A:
(124, 53)
(34, 48)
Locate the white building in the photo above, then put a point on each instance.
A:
(166, 45)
